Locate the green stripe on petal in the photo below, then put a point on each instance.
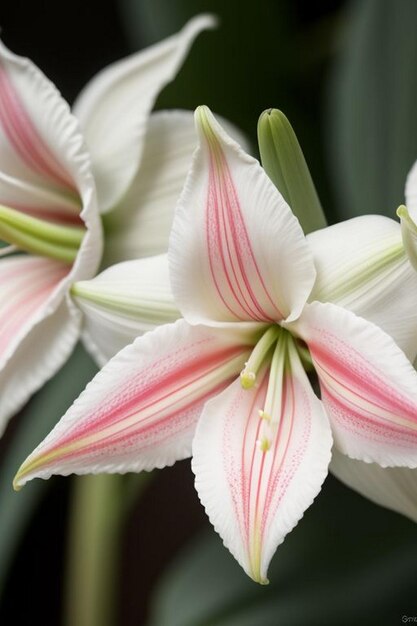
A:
(123, 302)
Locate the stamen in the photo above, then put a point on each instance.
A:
(247, 378)
(264, 444)
(41, 237)
(272, 411)
(258, 356)
(265, 416)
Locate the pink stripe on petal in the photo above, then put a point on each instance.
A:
(254, 497)
(233, 264)
(369, 388)
(24, 136)
(141, 409)
(26, 284)
(236, 251)
(153, 392)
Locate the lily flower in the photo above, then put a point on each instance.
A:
(227, 384)
(57, 174)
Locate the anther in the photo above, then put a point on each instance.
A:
(264, 444)
(264, 415)
(247, 379)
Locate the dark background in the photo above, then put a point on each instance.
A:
(346, 551)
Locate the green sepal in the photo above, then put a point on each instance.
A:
(284, 162)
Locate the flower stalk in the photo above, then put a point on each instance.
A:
(93, 550)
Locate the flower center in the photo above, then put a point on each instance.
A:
(21, 232)
(281, 353)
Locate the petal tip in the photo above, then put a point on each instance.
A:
(17, 480)
(204, 21)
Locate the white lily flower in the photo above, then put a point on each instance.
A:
(51, 174)
(241, 272)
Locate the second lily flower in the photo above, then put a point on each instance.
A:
(55, 180)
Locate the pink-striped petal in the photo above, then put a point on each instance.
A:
(38, 328)
(236, 250)
(141, 223)
(368, 386)
(27, 283)
(114, 107)
(44, 171)
(44, 167)
(254, 496)
(140, 411)
(42, 161)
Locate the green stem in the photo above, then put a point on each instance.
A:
(100, 506)
(94, 541)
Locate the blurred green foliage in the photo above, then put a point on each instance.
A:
(372, 111)
(347, 562)
(34, 423)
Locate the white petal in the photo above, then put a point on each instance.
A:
(37, 357)
(368, 386)
(141, 223)
(140, 411)
(43, 163)
(236, 250)
(361, 265)
(254, 497)
(411, 192)
(392, 487)
(123, 302)
(114, 107)
(45, 168)
(408, 216)
(31, 290)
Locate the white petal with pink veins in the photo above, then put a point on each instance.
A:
(368, 386)
(140, 411)
(236, 250)
(141, 222)
(254, 496)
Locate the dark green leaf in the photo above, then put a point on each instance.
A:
(347, 562)
(35, 422)
(373, 121)
(238, 70)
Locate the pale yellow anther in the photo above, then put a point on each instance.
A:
(264, 415)
(264, 444)
(247, 379)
